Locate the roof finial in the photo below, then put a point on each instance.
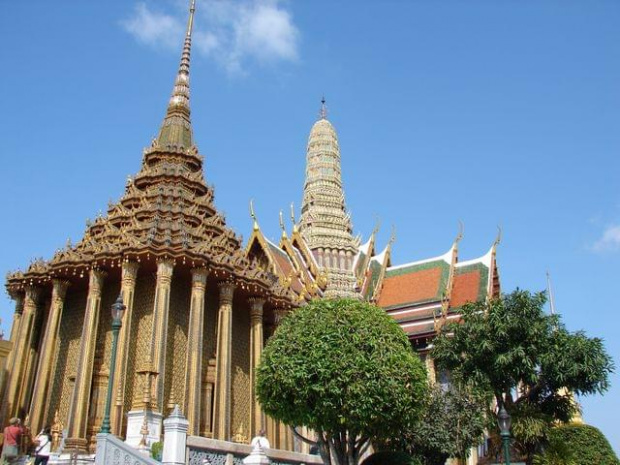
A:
(498, 239)
(392, 236)
(375, 230)
(282, 227)
(550, 292)
(459, 236)
(253, 216)
(293, 217)
(323, 112)
(175, 131)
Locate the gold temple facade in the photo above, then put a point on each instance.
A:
(198, 309)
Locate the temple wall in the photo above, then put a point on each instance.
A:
(241, 392)
(67, 352)
(144, 299)
(176, 352)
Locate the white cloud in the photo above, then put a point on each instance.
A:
(232, 32)
(154, 28)
(609, 241)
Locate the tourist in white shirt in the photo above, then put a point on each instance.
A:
(43, 447)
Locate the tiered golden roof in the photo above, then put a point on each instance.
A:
(167, 211)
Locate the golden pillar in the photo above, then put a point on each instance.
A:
(193, 373)
(160, 328)
(129, 274)
(21, 346)
(50, 340)
(256, 349)
(8, 401)
(208, 383)
(80, 400)
(223, 383)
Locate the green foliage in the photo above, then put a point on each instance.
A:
(156, 450)
(453, 422)
(386, 457)
(345, 369)
(556, 453)
(510, 341)
(588, 445)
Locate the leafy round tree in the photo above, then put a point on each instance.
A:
(344, 369)
(510, 348)
(453, 421)
(588, 446)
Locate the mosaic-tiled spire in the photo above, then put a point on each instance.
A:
(176, 130)
(325, 223)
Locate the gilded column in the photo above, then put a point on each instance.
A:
(50, 339)
(80, 400)
(129, 274)
(8, 401)
(223, 361)
(22, 343)
(256, 349)
(160, 328)
(193, 376)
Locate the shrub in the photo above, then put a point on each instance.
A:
(156, 450)
(588, 445)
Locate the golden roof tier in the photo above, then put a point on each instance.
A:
(166, 212)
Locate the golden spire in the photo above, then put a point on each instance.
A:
(176, 129)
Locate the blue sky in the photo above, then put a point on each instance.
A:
(488, 112)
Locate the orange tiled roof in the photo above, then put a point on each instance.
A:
(419, 284)
(466, 288)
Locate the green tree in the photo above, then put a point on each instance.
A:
(344, 369)
(526, 359)
(453, 422)
(587, 445)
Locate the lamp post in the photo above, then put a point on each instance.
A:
(118, 308)
(503, 420)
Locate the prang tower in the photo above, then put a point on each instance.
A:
(325, 223)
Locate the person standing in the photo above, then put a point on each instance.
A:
(43, 447)
(12, 438)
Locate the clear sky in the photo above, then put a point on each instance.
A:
(489, 112)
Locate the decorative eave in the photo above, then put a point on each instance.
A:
(384, 259)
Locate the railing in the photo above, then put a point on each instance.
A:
(230, 453)
(113, 451)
